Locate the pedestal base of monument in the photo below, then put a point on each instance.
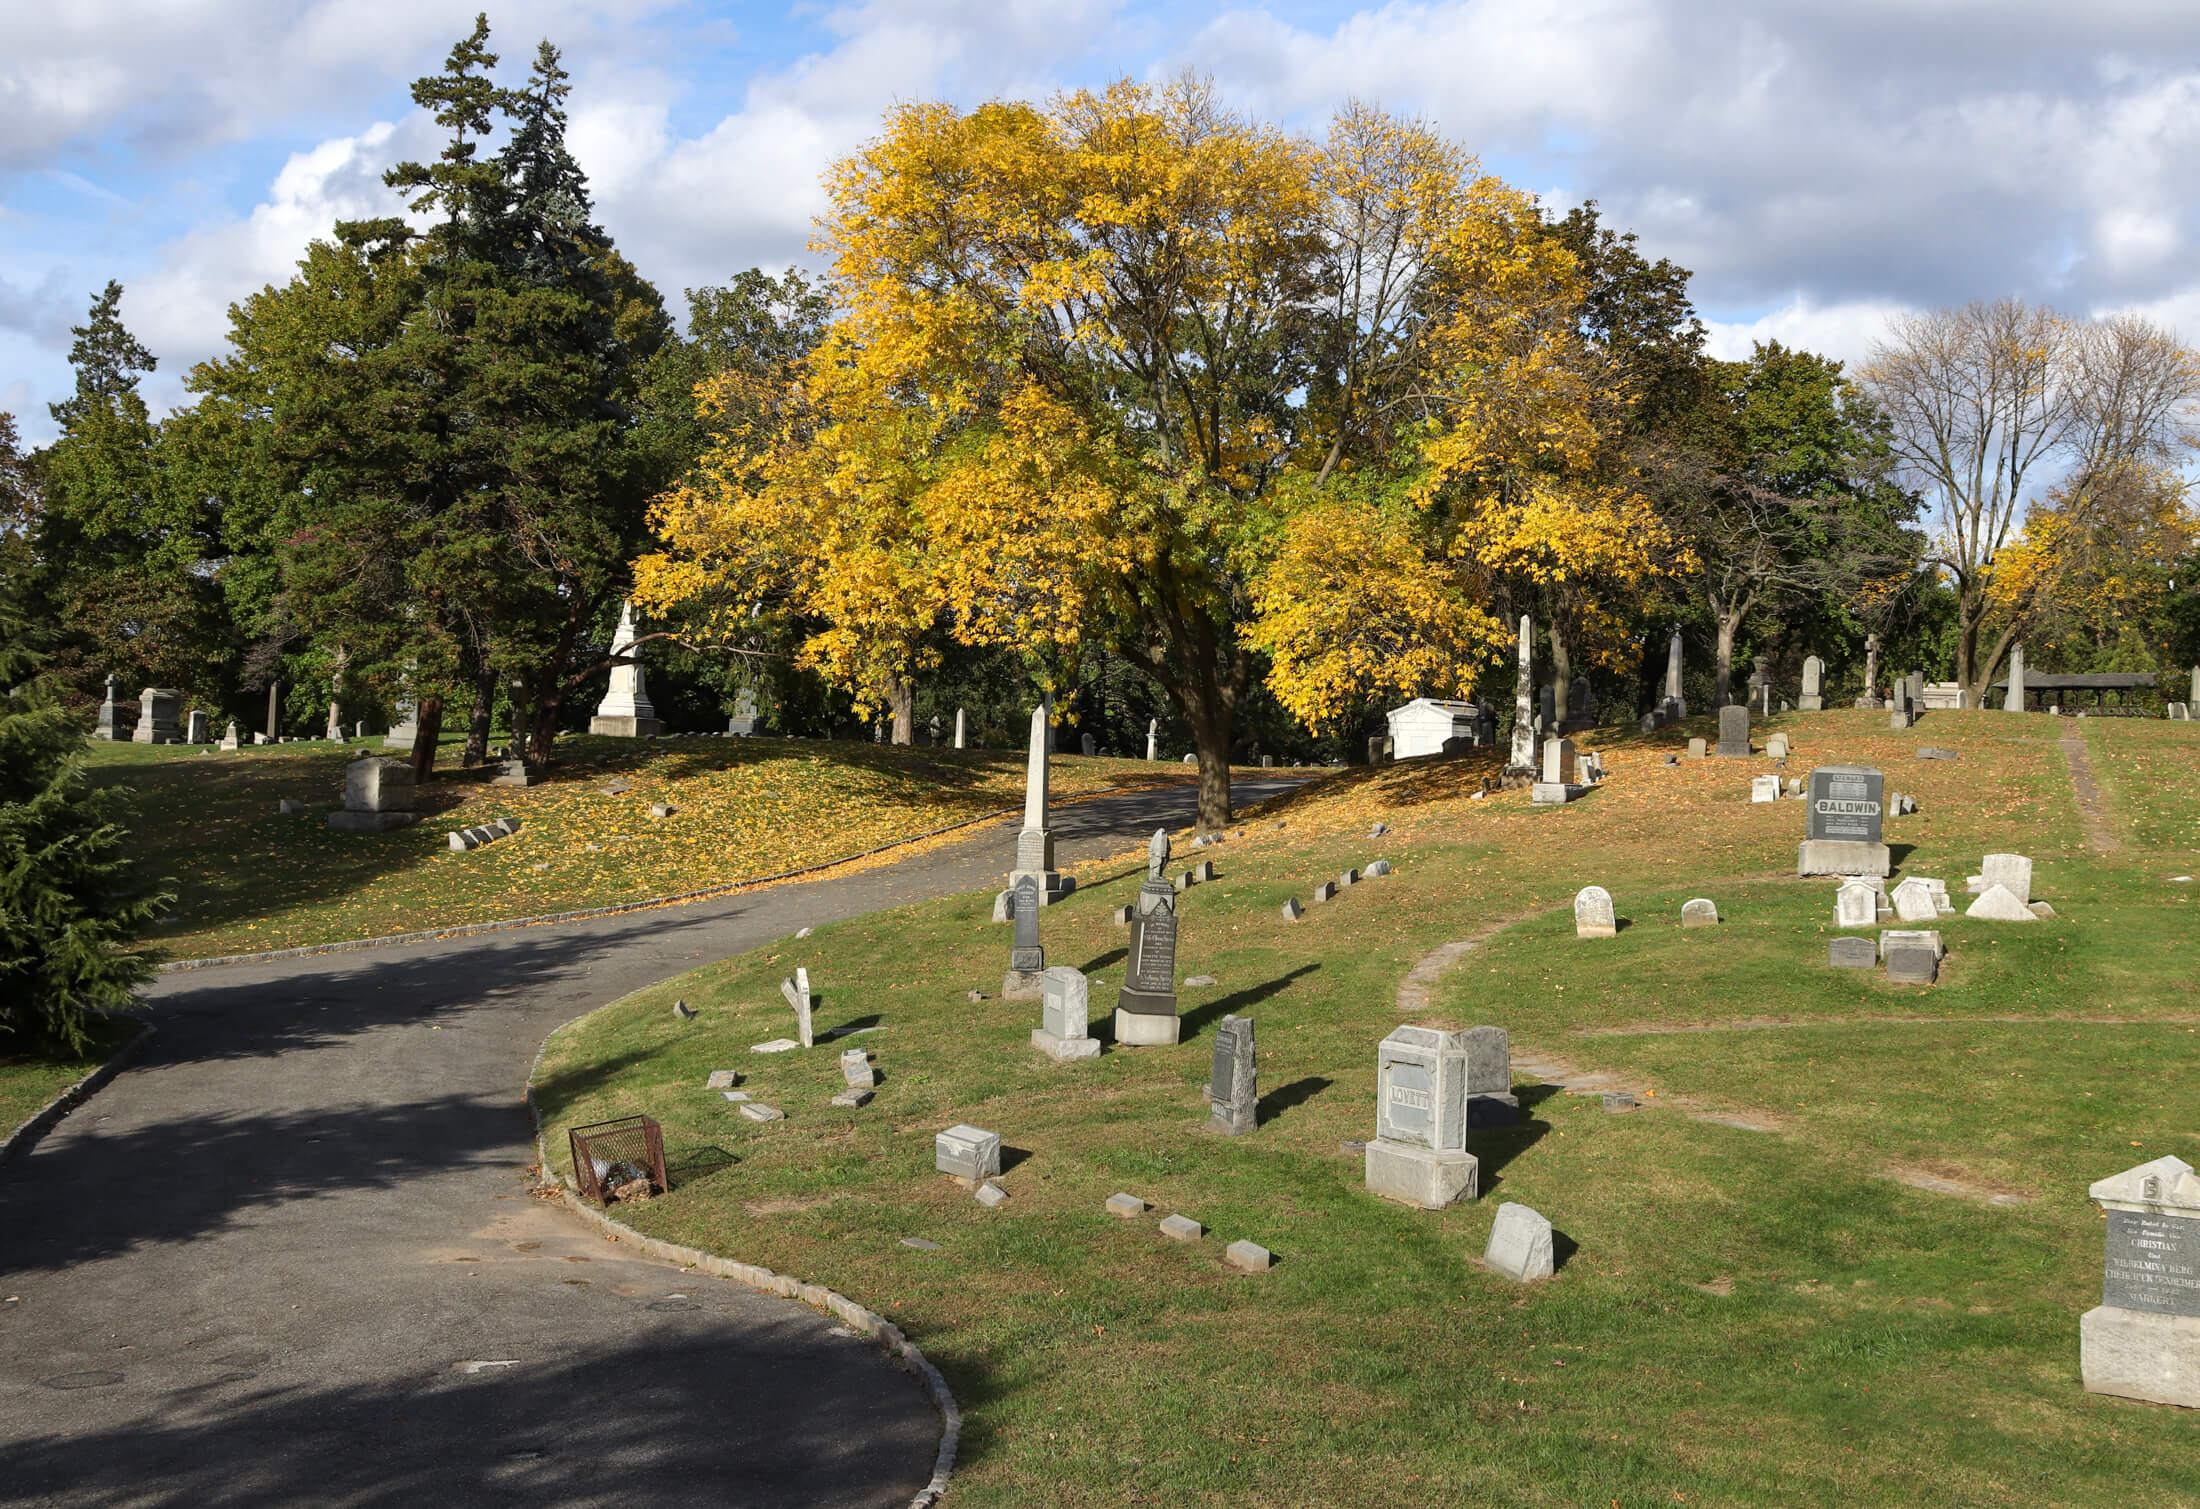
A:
(518, 773)
(627, 728)
(1870, 704)
(1418, 1176)
(2135, 1354)
(1221, 1122)
(1021, 985)
(1053, 884)
(1811, 704)
(1147, 1029)
(1487, 1108)
(1515, 779)
(1841, 856)
(1554, 793)
(371, 822)
(1064, 1050)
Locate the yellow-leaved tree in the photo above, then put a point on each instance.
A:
(1130, 368)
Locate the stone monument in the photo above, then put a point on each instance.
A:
(1734, 732)
(1870, 699)
(1065, 1030)
(1145, 1008)
(1233, 1089)
(1844, 819)
(1490, 1098)
(194, 728)
(1520, 1245)
(1676, 705)
(1813, 699)
(114, 724)
(378, 796)
(1522, 765)
(1035, 843)
(158, 707)
(229, 735)
(1419, 1155)
(960, 730)
(1557, 785)
(1026, 959)
(1153, 738)
(797, 993)
(2014, 702)
(2143, 1340)
(743, 721)
(626, 712)
(1593, 914)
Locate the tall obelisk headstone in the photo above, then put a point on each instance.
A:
(959, 744)
(1871, 672)
(1522, 763)
(1676, 703)
(1035, 843)
(2014, 702)
(626, 711)
(1153, 726)
(1145, 1008)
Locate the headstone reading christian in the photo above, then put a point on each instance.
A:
(1593, 916)
(1844, 823)
(1733, 732)
(2143, 1340)
(1814, 685)
(1419, 1155)
(114, 724)
(1035, 841)
(1065, 1018)
(378, 796)
(1233, 1088)
(626, 711)
(1025, 956)
(1145, 1008)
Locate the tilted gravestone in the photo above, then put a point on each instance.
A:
(797, 992)
(1145, 1008)
(1419, 1155)
(2143, 1341)
(1844, 823)
(1233, 1089)
(1520, 1246)
(2011, 870)
(1734, 732)
(1490, 1097)
(1593, 914)
(1914, 900)
(1764, 788)
(1066, 1015)
(1852, 953)
(1026, 956)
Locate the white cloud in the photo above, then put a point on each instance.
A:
(1844, 331)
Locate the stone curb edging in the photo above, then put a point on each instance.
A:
(546, 919)
(864, 1322)
(24, 1137)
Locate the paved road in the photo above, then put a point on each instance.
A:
(292, 1258)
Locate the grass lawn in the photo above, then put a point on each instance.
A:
(1866, 1292)
(248, 878)
(29, 1080)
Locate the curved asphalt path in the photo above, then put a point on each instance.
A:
(291, 1256)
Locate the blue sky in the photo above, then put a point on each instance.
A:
(1821, 164)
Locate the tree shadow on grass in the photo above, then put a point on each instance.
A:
(1497, 1146)
(1191, 1021)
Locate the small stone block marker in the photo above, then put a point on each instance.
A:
(1699, 913)
(1248, 1257)
(1764, 788)
(1204, 871)
(1122, 916)
(736, 1096)
(722, 1079)
(855, 1068)
(1895, 937)
(1003, 901)
(756, 1110)
(1127, 1207)
(776, 1045)
(1419, 1155)
(1852, 953)
(1348, 880)
(1326, 891)
(1698, 749)
(1912, 964)
(378, 796)
(1520, 1243)
(967, 1152)
(851, 1099)
(1379, 868)
(991, 1195)
(1593, 916)
(660, 809)
(1182, 1229)
(1292, 911)
(2143, 1341)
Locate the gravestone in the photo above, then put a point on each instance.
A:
(855, 1068)
(1088, 744)
(1593, 915)
(1546, 704)
(1901, 937)
(1145, 1007)
(1153, 738)
(1911, 964)
(742, 722)
(519, 771)
(1733, 732)
(2011, 870)
(1490, 1098)
(1764, 788)
(626, 711)
(194, 728)
(1521, 765)
(1292, 911)
(229, 735)
(1676, 705)
(1419, 1155)
(1844, 823)
(2143, 1340)
(1855, 905)
(114, 723)
(797, 992)
(1915, 901)
(1776, 747)
(1035, 840)
(1064, 1032)
(1698, 749)
(1997, 903)
(1520, 1245)
(1026, 958)
(1814, 685)
(378, 796)
(1852, 953)
(968, 1153)
(1558, 759)
(1699, 913)
(1233, 1088)
(158, 707)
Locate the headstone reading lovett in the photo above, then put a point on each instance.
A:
(626, 711)
(1843, 832)
(1419, 1155)
(1145, 1007)
(1593, 915)
(1064, 1033)
(1233, 1088)
(1814, 685)
(2143, 1340)
(1733, 732)
(378, 796)
(1026, 958)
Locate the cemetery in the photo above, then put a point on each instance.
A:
(1835, 1218)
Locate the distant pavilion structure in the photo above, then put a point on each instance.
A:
(2044, 690)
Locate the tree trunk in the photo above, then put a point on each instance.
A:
(901, 698)
(1562, 676)
(1970, 612)
(429, 718)
(1730, 624)
(477, 726)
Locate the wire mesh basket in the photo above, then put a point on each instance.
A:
(611, 1157)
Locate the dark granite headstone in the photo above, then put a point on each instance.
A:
(1233, 1089)
(1847, 804)
(1852, 953)
(1025, 955)
(2153, 1263)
